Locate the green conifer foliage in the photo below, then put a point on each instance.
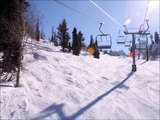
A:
(63, 35)
(37, 31)
(11, 36)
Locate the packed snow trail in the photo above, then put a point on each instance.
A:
(58, 85)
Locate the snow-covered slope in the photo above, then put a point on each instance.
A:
(58, 85)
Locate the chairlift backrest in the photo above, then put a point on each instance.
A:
(142, 44)
(120, 38)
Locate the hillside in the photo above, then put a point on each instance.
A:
(58, 85)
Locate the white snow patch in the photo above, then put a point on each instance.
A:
(61, 86)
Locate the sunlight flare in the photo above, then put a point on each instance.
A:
(128, 21)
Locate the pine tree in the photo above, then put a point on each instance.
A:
(63, 35)
(69, 47)
(91, 41)
(90, 48)
(156, 37)
(80, 39)
(37, 31)
(96, 53)
(75, 42)
(82, 44)
(11, 35)
(93, 48)
(52, 38)
(42, 35)
(55, 40)
(91, 45)
(152, 39)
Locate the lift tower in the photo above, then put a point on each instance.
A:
(140, 32)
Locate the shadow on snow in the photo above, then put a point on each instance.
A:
(58, 108)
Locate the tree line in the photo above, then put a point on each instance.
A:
(62, 38)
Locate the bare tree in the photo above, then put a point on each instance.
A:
(31, 15)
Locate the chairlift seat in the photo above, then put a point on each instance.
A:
(104, 47)
(127, 43)
(121, 40)
(141, 47)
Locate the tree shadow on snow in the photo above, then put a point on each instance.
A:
(58, 109)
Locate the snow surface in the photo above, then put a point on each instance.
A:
(58, 85)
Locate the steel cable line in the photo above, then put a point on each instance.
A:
(108, 15)
(145, 15)
(96, 20)
(78, 11)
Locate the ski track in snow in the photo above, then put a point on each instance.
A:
(58, 85)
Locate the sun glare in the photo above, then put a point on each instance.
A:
(153, 5)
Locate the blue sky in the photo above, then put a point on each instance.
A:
(121, 11)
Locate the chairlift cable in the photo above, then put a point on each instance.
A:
(146, 13)
(96, 20)
(78, 11)
(108, 15)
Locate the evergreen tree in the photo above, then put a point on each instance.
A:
(93, 48)
(90, 47)
(42, 35)
(69, 47)
(156, 37)
(96, 53)
(91, 42)
(11, 36)
(54, 39)
(75, 42)
(80, 40)
(83, 45)
(63, 35)
(152, 39)
(37, 31)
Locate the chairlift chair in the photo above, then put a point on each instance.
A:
(142, 44)
(127, 43)
(104, 41)
(121, 39)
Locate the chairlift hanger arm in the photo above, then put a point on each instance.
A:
(147, 26)
(119, 32)
(142, 26)
(100, 28)
(140, 29)
(126, 30)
